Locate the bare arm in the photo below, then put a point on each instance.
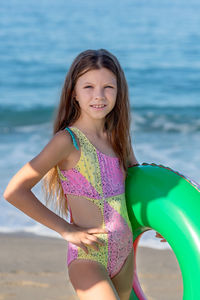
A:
(18, 191)
(132, 159)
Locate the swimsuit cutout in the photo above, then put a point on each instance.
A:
(99, 178)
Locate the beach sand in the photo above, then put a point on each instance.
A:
(34, 267)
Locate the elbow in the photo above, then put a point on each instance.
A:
(8, 194)
(13, 194)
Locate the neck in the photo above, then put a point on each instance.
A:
(93, 128)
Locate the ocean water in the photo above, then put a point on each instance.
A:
(158, 46)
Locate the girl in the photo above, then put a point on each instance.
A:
(84, 165)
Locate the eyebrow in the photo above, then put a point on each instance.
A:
(105, 83)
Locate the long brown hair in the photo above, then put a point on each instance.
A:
(117, 122)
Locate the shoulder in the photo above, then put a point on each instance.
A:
(58, 148)
(62, 138)
(62, 142)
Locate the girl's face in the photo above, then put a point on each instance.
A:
(96, 88)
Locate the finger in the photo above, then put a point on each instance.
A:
(84, 248)
(97, 230)
(158, 234)
(91, 244)
(95, 239)
(163, 240)
(95, 247)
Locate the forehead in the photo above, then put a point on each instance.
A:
(102, 75)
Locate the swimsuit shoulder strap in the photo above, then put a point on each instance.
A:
(75, 145)
(83, 140)
(73, 138)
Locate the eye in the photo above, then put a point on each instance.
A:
(88, 86)
(109, 86)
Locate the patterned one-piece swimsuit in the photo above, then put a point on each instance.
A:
(99, 178)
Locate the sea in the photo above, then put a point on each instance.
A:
(158, 46)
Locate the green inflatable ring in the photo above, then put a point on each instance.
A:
(168, 202)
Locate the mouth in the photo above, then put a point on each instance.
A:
(99, 106)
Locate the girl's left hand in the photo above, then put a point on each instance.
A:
(158, 235)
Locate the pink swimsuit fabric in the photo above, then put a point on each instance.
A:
(99, 178)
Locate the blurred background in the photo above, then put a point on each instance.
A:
(158, 46)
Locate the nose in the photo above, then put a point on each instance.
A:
(99, 93)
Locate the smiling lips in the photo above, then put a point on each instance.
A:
(98, 106)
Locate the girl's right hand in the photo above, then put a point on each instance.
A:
(82, 237)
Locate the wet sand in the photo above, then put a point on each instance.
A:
(34, 267)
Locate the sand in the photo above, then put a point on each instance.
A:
(34, 268)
